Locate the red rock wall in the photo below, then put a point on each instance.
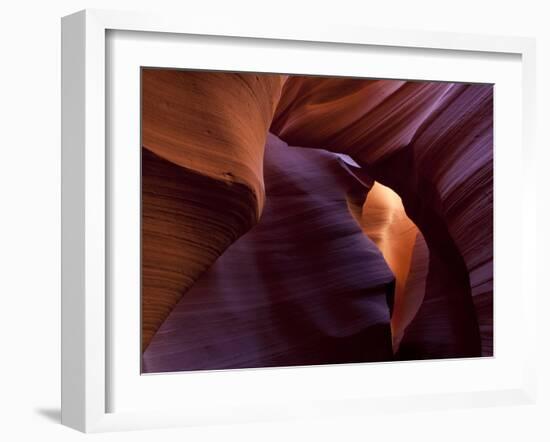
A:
(431, 143)
(204, 187)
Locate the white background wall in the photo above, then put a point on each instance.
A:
(30, 216)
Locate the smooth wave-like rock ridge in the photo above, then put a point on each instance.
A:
(214, 127)
(431, 142)
(389, 205)
(304, 286)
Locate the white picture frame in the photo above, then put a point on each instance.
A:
(86, 356)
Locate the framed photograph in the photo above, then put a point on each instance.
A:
(267, 222)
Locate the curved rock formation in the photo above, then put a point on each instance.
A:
(432, 144)
(188, 220)
(421, 150)
(304, 286)
(454, 151)
(214, 127)
(384, 220)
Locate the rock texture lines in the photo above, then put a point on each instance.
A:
(298, 220)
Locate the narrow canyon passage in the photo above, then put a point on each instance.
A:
(368, 238)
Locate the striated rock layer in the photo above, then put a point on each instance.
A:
(432, 144)
(214, 127)
(304, 286)
(422, 151)
(188, 220)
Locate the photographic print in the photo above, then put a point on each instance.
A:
(295, 220)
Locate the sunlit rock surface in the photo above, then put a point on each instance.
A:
(432, 144)
(384, 220)
(404, 168)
